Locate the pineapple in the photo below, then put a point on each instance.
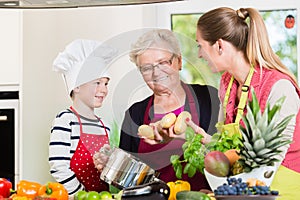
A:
(262, 135)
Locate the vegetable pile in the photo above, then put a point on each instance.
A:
(28, 190)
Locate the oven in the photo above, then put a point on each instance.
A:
(9, 133)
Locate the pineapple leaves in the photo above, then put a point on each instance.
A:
(262, 134)
(275, 108)
(254, 105)
(259, 144)
(282, 125)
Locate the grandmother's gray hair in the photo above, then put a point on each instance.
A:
(163, 39)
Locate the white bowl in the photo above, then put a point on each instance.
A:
(264, 173)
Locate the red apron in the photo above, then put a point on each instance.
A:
(82, 161)
(158, 156)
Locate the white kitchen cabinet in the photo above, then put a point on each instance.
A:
(10, 46)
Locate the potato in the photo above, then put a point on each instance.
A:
(146, 131)
(168, 120)
(180, 124)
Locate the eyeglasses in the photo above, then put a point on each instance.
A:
(148, 68)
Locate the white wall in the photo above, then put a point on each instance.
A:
(10, 51)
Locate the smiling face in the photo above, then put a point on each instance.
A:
(210, 53)
(93, 93)
(160, 69)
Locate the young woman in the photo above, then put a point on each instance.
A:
(236, 42)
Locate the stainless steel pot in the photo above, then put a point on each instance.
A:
(124, 170)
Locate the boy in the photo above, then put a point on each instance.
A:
(77, 133)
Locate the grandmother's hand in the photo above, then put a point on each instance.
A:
(100, 159)
(162, 135)
(198, 130)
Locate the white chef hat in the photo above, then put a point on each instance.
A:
(83, 61)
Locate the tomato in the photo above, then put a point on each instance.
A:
(93, 195)
(105, 195)
(80, 195)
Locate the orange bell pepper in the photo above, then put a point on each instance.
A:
(27, 189)
(178, 186)
(54, 190)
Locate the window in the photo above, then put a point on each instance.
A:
(183, 19)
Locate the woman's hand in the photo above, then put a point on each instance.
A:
(162, 135)
(198, 130)
(100, 159)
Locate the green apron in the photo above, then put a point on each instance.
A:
(233, 128)
(286, 181)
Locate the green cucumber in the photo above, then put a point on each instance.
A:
(191, 195)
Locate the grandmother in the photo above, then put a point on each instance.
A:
(158, 58)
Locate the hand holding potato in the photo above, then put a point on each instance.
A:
(168, 128)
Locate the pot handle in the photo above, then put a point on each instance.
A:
(157, 186)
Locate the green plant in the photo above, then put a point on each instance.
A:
(193, 155)
(262, 135)
(223, 142)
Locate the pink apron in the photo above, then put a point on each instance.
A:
(82, 161)
(158, 156)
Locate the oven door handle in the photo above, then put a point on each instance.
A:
(3, 117)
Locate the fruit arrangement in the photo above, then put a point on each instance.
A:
(238, 187)
(252, 153)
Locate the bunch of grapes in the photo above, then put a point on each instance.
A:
(238, 187)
